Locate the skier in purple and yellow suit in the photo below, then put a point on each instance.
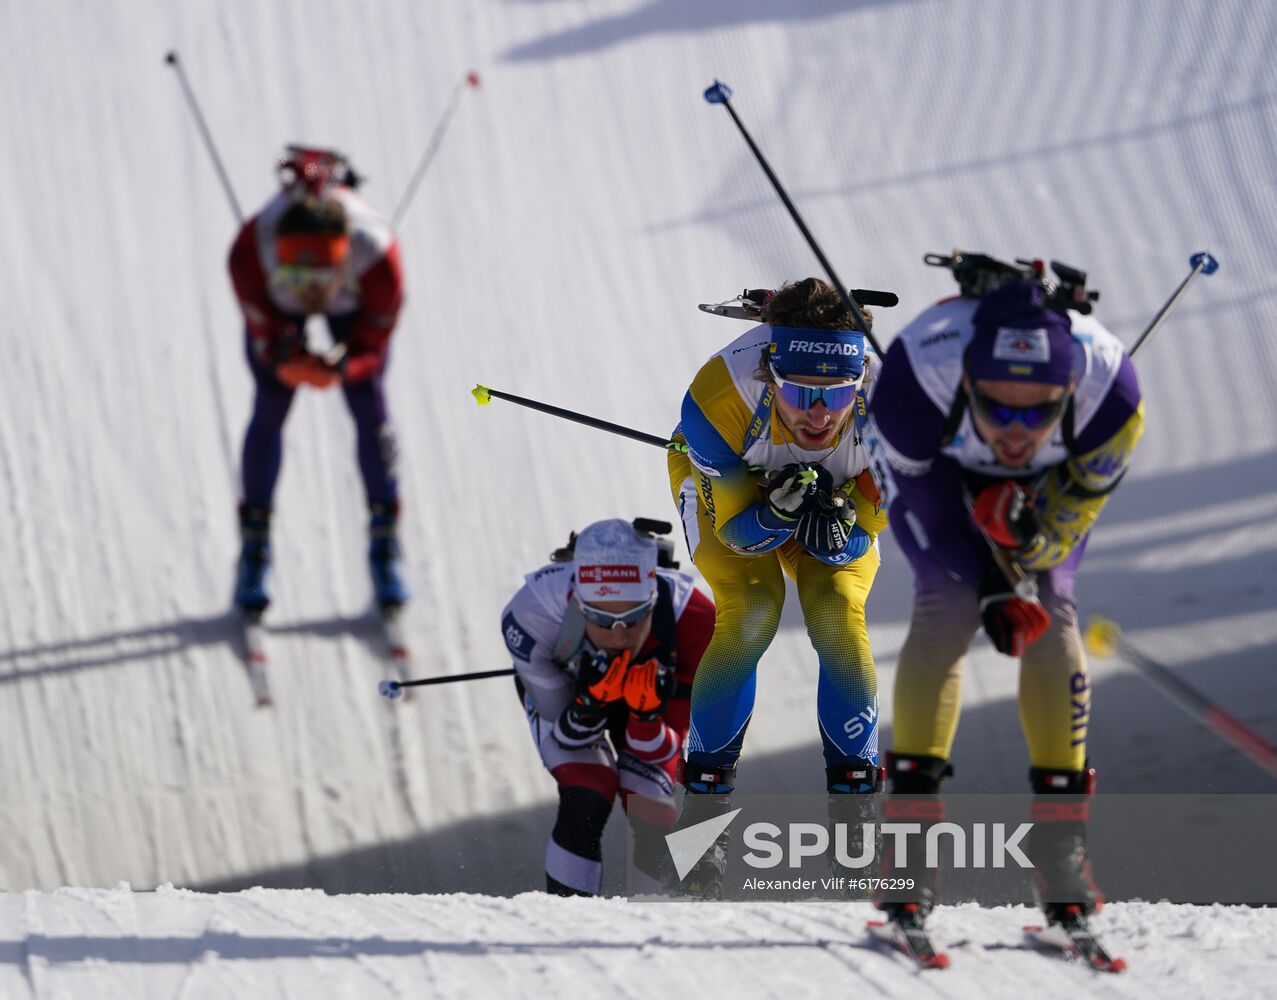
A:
(774, 482)
(1008, 420)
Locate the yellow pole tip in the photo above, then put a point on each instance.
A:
(1101, 636)
(482, 395)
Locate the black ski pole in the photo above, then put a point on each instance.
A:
(483, 395)
(173, 61)
(393, 689)
(1201, 263)
(470, 80)
(720, 93)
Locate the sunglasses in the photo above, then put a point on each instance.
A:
(302, 278)
(804, 397)
(611, 619)
(1002, 415)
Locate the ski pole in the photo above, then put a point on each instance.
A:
(483, 396)
(1103, 638)
(470, 80)
(193, 104)
(394, 689)
(1201, 263)
(719, 93)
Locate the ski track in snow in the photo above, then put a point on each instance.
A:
(584, 200)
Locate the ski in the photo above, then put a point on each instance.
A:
(1072, 937)
(255, 657)
(398, 659)
(905, 931)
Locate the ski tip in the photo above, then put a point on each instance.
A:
(875, 923)
(1116, 965)
(482, 395)
(1033, 928)
(718, 93)
(265, 701)
(472, 79)
(1205, 260)
(940, 961)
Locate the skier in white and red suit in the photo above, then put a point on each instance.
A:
(317, 248)
(605, 644)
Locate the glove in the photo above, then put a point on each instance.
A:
(796, 489)
(1005, 513)
(600, 681)
(1012, 623)
(826, 535)
(307, 369)
(648, 689)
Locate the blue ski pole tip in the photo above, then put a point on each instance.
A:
(1205, 261)
(389, 689)
(718, 93)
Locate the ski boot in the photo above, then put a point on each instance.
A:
(252, 573)
(1062, 883)
(708, 795)
(385, 560)
(915, 797)
(854, 786)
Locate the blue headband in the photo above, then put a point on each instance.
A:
(803, 351)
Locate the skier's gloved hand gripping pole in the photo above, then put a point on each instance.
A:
(1024, 584)
(719, 93)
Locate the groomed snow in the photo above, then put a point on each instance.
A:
(586, 198)
(265, 943)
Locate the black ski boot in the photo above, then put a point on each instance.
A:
(1062, 883)
(915, 798)
(385, 560)
(252, 572)
(707, 796)
(854, 787)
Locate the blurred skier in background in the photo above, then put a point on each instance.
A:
(1004, 417)
(606, 640)
(774, 482)
(317, 248)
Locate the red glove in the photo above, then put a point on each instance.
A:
(648, 687)
(1012, 623)
(1005, 513)
(307, 369)
(599, 681)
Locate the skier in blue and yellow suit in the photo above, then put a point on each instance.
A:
(775, 482)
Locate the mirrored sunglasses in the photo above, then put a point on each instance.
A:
(1003, 415)
(611, 619)
(804, 397)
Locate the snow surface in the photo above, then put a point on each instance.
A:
(585, 200)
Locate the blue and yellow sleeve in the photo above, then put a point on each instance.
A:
(717, 424)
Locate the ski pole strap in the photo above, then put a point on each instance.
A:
(484, 395)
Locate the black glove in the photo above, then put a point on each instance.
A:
(824, 533)
(796, 489)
